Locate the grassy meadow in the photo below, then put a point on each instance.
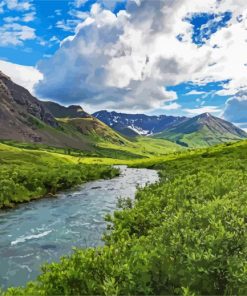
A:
(28, 174)
(185, 235)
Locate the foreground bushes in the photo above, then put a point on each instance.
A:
(183, 236)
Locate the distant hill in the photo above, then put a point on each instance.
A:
(203, 130)
(137, 124)
(75, 118)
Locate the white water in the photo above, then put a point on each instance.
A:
(44, 230)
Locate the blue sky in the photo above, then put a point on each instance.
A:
(89, 40)
(54, 20)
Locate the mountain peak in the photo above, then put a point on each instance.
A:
(205, 115)
(137, 124)
(203, 130)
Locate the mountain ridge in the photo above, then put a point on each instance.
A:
(24, 118)
(203, 130)
(137, 124)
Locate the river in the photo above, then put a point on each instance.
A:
(44, 230)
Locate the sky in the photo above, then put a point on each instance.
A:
(175, 57)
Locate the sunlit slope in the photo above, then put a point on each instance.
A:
(202, 131)
(145, 147)
(91, 127)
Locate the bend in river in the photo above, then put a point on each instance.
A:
(44, 230)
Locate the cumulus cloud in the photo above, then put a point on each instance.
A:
(236, 108)
(127, 60)
(25, 76)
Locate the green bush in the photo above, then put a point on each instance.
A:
(23, 182)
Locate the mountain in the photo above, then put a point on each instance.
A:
(74, 117)
(24, 118)
(21, 113)
(59, 111)
(203, 130)
(137, 124)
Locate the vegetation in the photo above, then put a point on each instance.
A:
(185, 235)
(30, 174)
(145, 147)
(203, 130)
(138, 148)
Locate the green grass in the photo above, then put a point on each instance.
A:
(139, 148)
(201, 138)
(30, 174)
(145, 147)
(186, 235)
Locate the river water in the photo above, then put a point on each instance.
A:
(44, 230)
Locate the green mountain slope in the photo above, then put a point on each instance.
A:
(24, 118)
(108, 142)
(74, 119)
(203, 130)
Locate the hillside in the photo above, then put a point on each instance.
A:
(23, 118)
(21, 113)
(137, 124)
(203, 130)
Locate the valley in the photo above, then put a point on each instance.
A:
(190, 221)
(134, 232)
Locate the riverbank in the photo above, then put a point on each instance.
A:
(28, 174)
(74, 219)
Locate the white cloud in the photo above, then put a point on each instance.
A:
(54, 39)
(79, 3)
(195, 92)
(58, 12)
(15, 34)
(28, 17)
(206, 109)
(11, 19)
(236, 108)
(23, 75)
(18, 5)
(127, 60)
(67, 25)
(109, 4)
